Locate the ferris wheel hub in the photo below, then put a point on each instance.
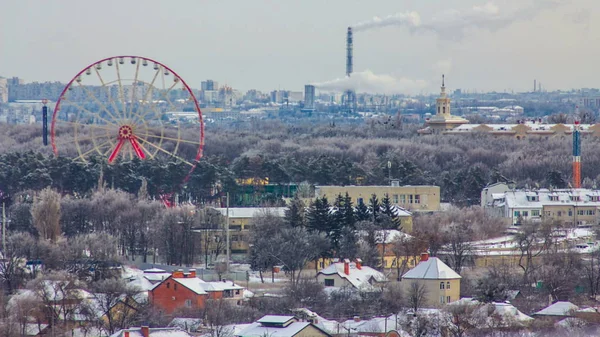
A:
(126, 132)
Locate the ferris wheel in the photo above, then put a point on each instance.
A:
(127, 108)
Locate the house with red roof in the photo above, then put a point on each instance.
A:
(186, 290)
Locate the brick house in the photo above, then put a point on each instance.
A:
(186, 290)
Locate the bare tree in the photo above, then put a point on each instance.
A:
(533, 239)
(591, 272)
(112, 307)
(459, 248)
(416, 296)
(406, 248)
(45, 212)
(464, 318)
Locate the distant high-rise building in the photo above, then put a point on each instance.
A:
(3, 90)
(209, 85)
(309, 96)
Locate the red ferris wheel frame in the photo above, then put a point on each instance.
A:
(124, 132)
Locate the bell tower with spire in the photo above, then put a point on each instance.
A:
(443, 102)
(443, 119)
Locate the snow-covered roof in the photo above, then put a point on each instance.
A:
(359, 278)
(154, 270)
(542, 197)
(560, 308)
(258, 330)
(34, 329)
(250, 212)
(200, 286)
(275, 319)
(432, 269)
(153, 332)
(194, 284)
(188, 324)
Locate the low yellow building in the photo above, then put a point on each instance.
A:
(411, 198)
(441, 284)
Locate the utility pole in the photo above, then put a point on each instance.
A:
(3, 228)
(227, 232)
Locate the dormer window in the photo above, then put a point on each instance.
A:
(554, 198)
(575, 198)
(533, 198)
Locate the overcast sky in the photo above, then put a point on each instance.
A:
(274, 44)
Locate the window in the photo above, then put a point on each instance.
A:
(188, 303)
(175, 286)
(580, 212)
(439, 110)
(403, 199)
(554, 198)
(321, 264)
(441, 285)
(442, 298)
(444, 109)
(329, 282)
(570, 212)
(417, 199)
(447, 299)
(525, 213)
(591, 212)
(559, 213)
(360, 200)
(237, 292)
(574, 198)
(168, 285)
(517, 213)
(410, 198)
(448, 285)
(395, 198)
(535, 212)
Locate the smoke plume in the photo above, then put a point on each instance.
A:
(409, 19)
(454, 23)
(368, 82)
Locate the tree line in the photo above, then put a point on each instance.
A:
(319, 154)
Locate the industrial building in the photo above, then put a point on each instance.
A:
(411, 198)
(569, 206)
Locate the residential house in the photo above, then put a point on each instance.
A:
(281, 326)
(186, 290)
(556, 311)
(350, 274)
(440, 283)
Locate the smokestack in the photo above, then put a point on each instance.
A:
(576, 156)
(349, 52)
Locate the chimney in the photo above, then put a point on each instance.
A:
(145, 331)
(358, 264)
(424, 257)
(178, 273)
(349, 48)
(346, 266)
(126, 333)
(192, 272)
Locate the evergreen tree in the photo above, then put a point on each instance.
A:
(318, 216)
(348, 210)
(374, 208)
(393, 222)
(295, 213)
(361, 213)
(337, 223)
